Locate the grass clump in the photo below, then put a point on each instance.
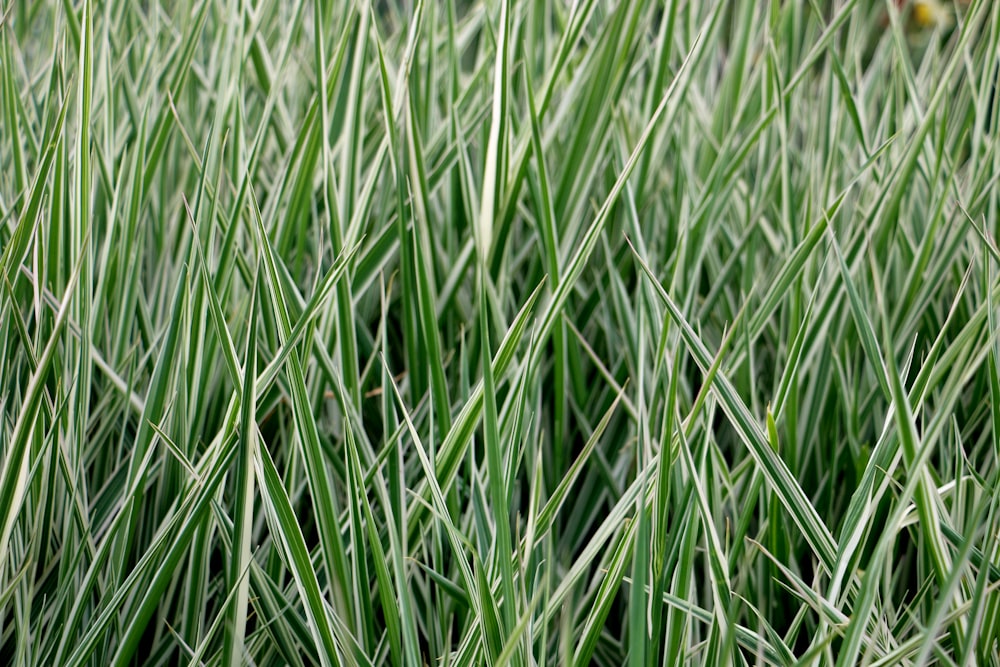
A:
(501, 333)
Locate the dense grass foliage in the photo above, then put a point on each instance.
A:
(500, 332)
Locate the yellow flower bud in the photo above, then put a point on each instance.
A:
(931, 14)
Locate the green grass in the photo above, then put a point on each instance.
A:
(498, 333)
